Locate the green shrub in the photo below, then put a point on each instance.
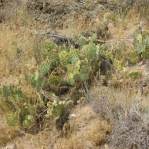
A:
(70, 68)
(66, 65)
(36, 80)
(57, 108)
(20, 111)
(141, 44)
(135, 75)
(60, 69)
(133, 58)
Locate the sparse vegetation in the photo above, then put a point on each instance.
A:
(74, 72)
(135, 75)
(141, 43)
(20, 110)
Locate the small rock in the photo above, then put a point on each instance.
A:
(71, 116)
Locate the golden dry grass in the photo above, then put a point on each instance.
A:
(17, 59)
(87, 130)
(8, 134)
(93, 135)
(18, 44)
(11, 41)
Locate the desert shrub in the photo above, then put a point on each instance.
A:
(119, 53)
(66, 66)
(64, 71)
(61, 71)
(132, 130)
(141, 44)
(133, 57)
(129, 123)
(135, 75)
(20, 110)
(122, 55)
(59, 110)
(36, 81)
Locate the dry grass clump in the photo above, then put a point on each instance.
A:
(38, 141)
(15, 44)
(91, 136)
(8, 9)
(97, 131)
(71, 143)
(7, 135)
(16, 40)
(17, 49)
(87, 130)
